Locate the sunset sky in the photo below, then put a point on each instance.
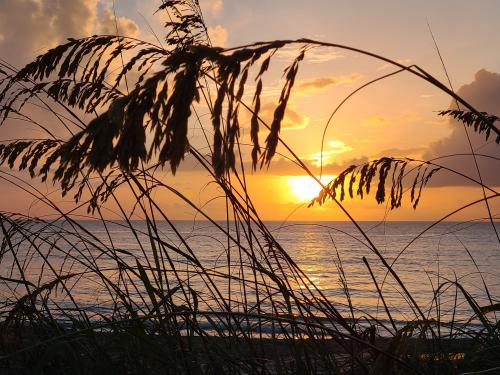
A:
(395, 117)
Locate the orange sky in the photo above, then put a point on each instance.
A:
(396, 117)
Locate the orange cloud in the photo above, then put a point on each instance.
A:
(293, 120)
(374, 120)
(310, 86)
(315, 55)
(107, 25)
(218, 35)
(333, 147)
(400, 61)
(212, 8)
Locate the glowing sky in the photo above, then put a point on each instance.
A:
(396, 117)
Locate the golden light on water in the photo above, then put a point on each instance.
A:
(305, 188)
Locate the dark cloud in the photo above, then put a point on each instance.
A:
(402, 152)
(280, 166)
(484, 94)
(30, 27)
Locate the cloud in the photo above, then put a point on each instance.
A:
(414, 152)
(314, 55)
(293, 120)
(333, 147)
(390, 66)
(30, 27)
(107, 25)
(310, 86)
(212, 8)
(218, 35)
(484, 94)
(282, 166)
(374, 120)
(285, 167)
(337, 168)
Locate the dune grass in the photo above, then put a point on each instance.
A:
(166, 310)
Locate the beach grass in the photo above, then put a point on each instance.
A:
(250, 316)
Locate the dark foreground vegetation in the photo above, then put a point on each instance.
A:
(123, 126)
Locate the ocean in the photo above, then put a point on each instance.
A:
(430, 261)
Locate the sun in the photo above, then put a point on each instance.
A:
(305, 188)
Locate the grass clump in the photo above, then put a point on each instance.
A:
(164, 308)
